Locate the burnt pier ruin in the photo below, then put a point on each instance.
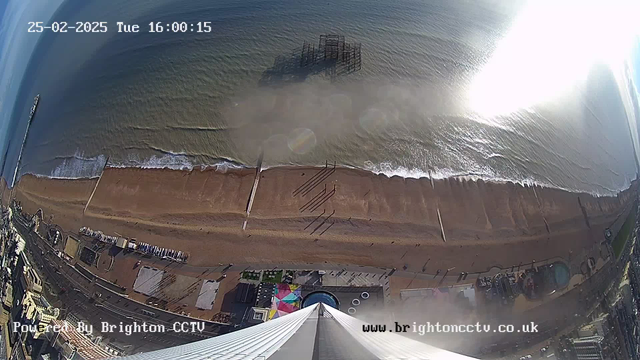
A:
(333, 56)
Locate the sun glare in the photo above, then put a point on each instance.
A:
(549, 49)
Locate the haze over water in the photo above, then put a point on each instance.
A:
(180, 100)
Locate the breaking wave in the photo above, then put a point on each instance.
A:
(79, 166)
(485, 175)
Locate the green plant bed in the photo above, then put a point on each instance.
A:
(251, 275)
(623, 235)
(272, 276)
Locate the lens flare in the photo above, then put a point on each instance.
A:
(302, 140)
(550, 48)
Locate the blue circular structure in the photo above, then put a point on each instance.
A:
(562, 274)
(324, 297)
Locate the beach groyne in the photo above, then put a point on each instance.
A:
(254, 189)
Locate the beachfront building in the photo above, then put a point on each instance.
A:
(24, 276)
(25, 281)
(70, 343)
(36, 310)
(314, 332)
(588, 348)
(258, 315)
(22, 295)
(29, 279)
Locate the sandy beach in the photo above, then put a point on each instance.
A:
(368, 220)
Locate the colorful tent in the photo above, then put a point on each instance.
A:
(286, 299)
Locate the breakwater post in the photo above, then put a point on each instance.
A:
(444, 237)
(442, 234)
(254, 189)
(95, 187)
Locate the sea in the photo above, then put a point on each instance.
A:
(221, 98)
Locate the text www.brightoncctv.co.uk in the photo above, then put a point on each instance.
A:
(428, 327)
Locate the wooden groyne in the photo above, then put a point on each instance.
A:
(96, 186)
(254, 189)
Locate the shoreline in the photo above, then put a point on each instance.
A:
(376, 221)
(232, 165)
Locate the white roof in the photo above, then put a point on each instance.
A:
(148, 280)
(207, 295)
(268, 340)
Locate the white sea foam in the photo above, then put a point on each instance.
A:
(173, 161)
(389, 170)
(223, 166)
(486, 174)
(80, 166)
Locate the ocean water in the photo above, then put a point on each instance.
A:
(185, 100)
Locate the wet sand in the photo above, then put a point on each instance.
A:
(375, 221)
